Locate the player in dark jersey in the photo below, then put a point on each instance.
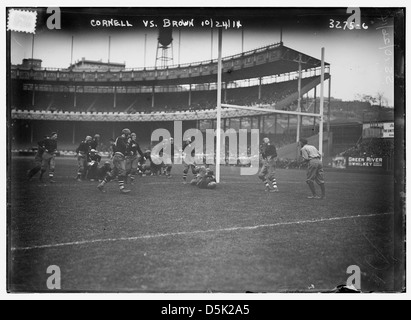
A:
(205, 178)
(38, 158)
(119, 162)
(95, 142)
(144, 164)
(132, 158)
(49, 156)
(188, 166)
(103, 170)
(82, 154)
(267, 172)
(93, 160)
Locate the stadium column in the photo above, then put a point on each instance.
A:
(329, 105)
(299, 99)
(75, 96)
(315, 107)
(33, 103)
(225, 92)
(219, 80)
(329, 115)
(189, 96)
(152, 97)
(74, 132)
(115, 97)
(259, 88)
(262, 122)
(31, 131)
(321, 133)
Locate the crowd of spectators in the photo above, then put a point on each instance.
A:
(142, 102)
(371, 148)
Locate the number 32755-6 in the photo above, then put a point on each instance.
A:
(335, 24)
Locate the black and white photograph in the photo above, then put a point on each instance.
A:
(205, 150)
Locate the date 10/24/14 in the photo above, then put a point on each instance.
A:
(335, 24)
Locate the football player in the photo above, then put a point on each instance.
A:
(132, 158)
(205, 178)
(119, 162)
(49, 156)
(103, 171)
(144, 164)
(82, 153)
(93, 160)
(315, 172)
(267, 172)
(38, 158)
(187, 166)
(167, 167)
(95, 143)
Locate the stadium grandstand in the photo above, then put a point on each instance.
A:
(108, 96)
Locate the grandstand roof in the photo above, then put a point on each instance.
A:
(271, 60)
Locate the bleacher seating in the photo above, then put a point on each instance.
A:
(163, 101)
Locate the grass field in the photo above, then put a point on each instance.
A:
(168, 237)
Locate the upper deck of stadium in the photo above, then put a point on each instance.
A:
(271, 60)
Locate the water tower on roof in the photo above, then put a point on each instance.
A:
(164, 55)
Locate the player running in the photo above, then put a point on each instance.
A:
(38, 158)
(132, 158)
(267, 173)
(119, 162)
(315, 172)
(49, 157)
(82, 154)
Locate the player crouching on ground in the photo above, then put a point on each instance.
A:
(119, 162)
(205, 179)
(103, 171)
(315, 172)
(93, 161)
(267, 172)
